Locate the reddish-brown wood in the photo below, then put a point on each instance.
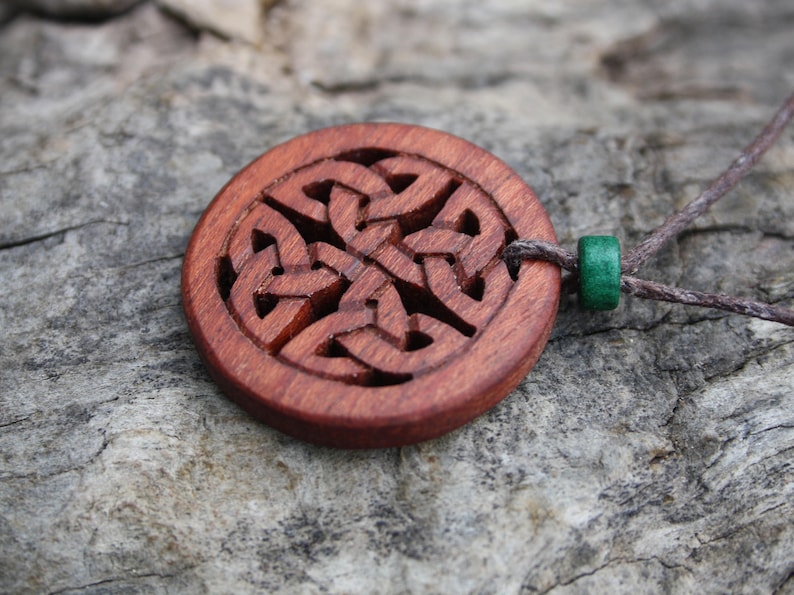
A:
(347, 286)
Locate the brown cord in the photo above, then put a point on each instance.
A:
(537, 250)
(677, 222)
(737, 305)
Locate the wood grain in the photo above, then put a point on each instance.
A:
(347, 287)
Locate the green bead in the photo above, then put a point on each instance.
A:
(599, 272)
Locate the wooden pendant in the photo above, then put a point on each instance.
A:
(347, 287)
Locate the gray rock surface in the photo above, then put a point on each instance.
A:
(232, 19)
(650, 450)
(74, 8)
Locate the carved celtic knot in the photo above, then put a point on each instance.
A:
(371, 268)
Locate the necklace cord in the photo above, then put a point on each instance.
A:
(527, 249)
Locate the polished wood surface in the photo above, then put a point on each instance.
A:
(347, 286)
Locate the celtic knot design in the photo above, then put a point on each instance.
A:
(371, 268)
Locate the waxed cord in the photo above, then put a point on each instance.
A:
(528, 249)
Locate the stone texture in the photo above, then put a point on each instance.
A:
(75, 8)
(7, 12)
(232, 19)
(648, 451)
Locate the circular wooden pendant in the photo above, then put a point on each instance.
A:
(347, 287)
